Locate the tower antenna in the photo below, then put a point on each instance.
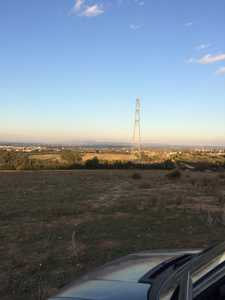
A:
(137, 126)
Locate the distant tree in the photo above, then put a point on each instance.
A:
(71, 157)
(92, 163)
(169, 164)
(24, 164)
(144, 156)
(10, 159)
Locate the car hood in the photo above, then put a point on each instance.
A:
(120, 278)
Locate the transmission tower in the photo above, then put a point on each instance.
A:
(137, 126)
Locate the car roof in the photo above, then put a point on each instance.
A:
(119, 279)
(106, 289)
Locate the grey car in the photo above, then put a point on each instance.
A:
(155, 275)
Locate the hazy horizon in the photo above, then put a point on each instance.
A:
(71, 71)
(86, 142)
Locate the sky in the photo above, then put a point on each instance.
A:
(70, 70)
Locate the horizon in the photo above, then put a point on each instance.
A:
(95, 143)
(71, 71)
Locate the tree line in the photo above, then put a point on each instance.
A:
(12, 160)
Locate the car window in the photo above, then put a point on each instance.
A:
(167, 295)
(212, 264)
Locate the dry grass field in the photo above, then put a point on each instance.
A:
(56, 225)
(52, 157)
(101, 156)
(110, 156)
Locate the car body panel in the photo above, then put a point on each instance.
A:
(119, 279)
(106, 289)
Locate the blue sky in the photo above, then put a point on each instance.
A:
(71, 70)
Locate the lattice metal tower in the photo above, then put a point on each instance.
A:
(137, 126)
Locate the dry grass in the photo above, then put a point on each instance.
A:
(110, 156)
(56, 225)
(49, 157)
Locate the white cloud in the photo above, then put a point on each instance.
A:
(209, 59)
(189, 24)
(135, 27)
(191, 60)
(139, 2)
(220, 71)
(93, 10)
(77, 7)
(203, 46)
(78, 4)
(81, 8)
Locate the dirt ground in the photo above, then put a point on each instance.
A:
(56, 225)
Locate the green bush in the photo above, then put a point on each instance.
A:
(92, 163)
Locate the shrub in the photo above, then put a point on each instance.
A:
(92, 163)
(136, 176)
(169, 164)
(175, 174)
(71, 157)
